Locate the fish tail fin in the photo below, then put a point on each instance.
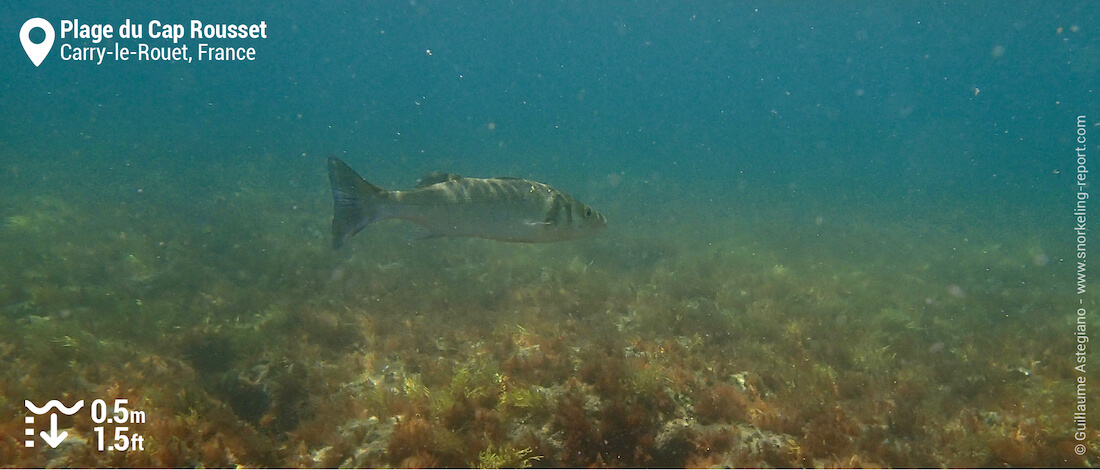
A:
(355, 202)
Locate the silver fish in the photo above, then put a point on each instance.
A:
(504, 209)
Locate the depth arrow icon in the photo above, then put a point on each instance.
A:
(53, 438)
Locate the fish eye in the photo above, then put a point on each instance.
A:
(587, 212)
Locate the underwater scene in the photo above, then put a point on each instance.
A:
(509, 234)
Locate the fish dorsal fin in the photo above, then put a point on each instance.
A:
(436, 177)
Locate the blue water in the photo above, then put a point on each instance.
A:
(823, 164)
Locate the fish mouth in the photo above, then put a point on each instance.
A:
(601, 223)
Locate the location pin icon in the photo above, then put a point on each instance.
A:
(37, 52)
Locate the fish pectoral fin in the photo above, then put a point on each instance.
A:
(421, 233)
(424, 234)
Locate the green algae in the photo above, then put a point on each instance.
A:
(507, 457)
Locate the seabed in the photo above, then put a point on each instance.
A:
(750, 334)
